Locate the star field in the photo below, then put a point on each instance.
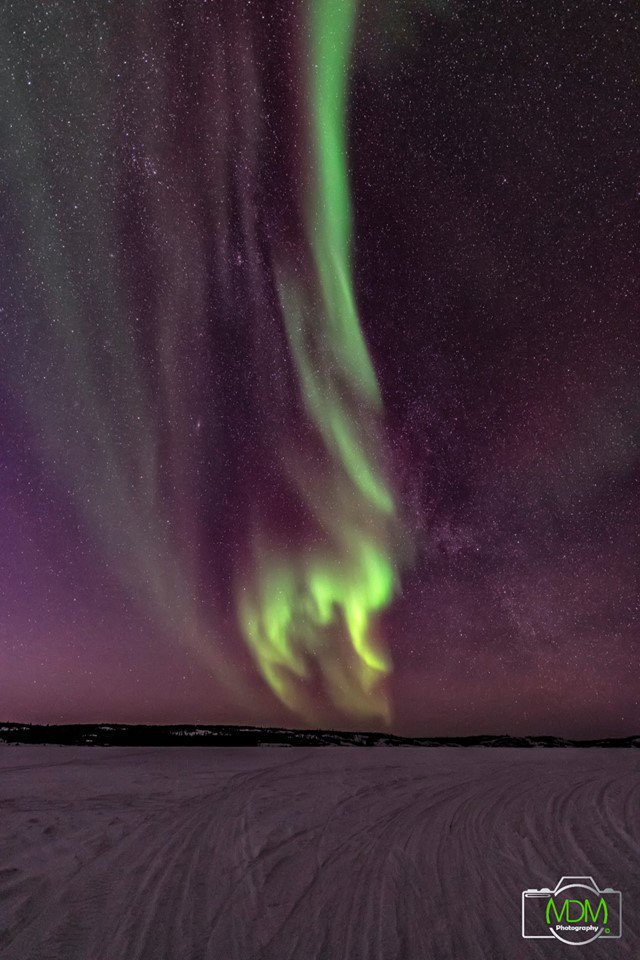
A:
(458, 471)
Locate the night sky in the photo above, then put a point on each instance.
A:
(320, 394)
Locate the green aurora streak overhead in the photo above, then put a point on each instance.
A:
(317, 605)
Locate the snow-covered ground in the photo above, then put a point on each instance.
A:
(306, 854)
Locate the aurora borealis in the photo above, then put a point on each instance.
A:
(307, 599)
(319, 384)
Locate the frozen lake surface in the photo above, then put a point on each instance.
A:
(306, 854)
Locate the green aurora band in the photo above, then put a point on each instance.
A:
(314, 607)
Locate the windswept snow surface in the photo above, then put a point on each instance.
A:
(306, 854)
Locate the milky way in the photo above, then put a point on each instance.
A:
(319, 395)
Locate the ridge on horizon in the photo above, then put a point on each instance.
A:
(130, 734)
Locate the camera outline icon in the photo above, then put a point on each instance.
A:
(606, 930)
